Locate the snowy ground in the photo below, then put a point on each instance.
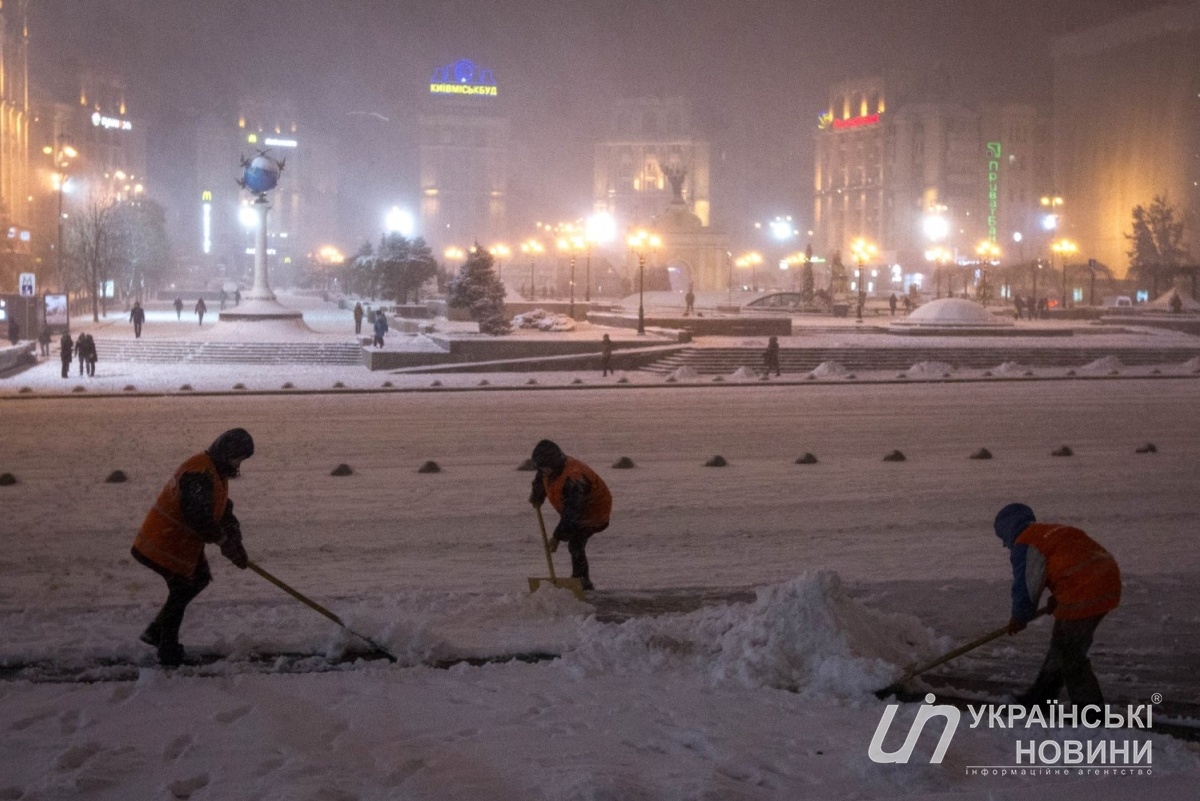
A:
(697, 704)
(788, 591)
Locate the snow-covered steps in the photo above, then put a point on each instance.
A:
(168, 351)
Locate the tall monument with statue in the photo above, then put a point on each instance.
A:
(260, 174)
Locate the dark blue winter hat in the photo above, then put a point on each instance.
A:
(1011, 521)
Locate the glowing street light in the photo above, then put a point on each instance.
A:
(573, 245)
(62, 160)
(453, 253)
(641, 243)
(1065, 248)
(863, 251)
(400, 221)
(940, 256)
(532, 248)
(751, 260)
(599, 229)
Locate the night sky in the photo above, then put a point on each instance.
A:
(758, 72)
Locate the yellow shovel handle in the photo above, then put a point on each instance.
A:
(545, 542)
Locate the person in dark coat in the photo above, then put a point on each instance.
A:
(137, 316)
(237, 297)
(81, 351)
(66, 350)
(201, 308)
(893, 301)
(358, 318)
(14, 332)
(224, 297)
(192, 510)
(606, 352)
(690, 300)
(381, 327)
(178, 308)
(90, 355)
(44, 340)
(1019, 303)
(580, 497)
(771, 357)
(1085, 585)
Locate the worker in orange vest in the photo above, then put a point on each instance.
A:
(193, 509)
(1085, 585)
(580, 497)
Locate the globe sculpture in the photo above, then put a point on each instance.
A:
(260, 174)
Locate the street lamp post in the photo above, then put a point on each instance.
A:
(862, 251)
(989, 253)
(532, 248)
(499, 252)
(572, 245)
(641, 243)
(598, 229)
(62, 159)
(1064, 248)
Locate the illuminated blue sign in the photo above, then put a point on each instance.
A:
(462, 78)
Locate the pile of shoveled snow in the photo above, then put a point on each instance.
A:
(685, 373)
(1105, 364)
(1192, 364)
(929, 370)
(829, 370)
(744, 373)
(417, 343)
(806, 635)
(1010, 368)
(544, 320)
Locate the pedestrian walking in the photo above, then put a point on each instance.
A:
(178, 308)
(358, 318)
(237, 297)
(908, 303)
(201, 308)
(381, 327)
(66, 350)
(1019, 302)
(1085, 585)
(137, 316)
(771, 357)
(90, 355)
(893, 301)
(580, 497)
(192, 510)
(44, 340)
(224, 297)
(606, 352)
(690, 300)
(14, 332)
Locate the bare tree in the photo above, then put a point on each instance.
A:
(95, 248)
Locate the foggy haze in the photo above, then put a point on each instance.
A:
(758, 73)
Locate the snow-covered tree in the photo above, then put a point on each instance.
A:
(1156, 243)
(403, 267)
(477, 289)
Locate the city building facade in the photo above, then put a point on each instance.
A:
(463, 156)
(1126, 125)
(15, 185)
(648, 138)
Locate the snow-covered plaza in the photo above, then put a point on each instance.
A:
(744, 614)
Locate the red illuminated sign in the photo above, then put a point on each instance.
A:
(856, 122)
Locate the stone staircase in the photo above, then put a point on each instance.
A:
(166, 351)
(723, 361)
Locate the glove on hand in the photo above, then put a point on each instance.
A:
(231, 548)
(552, 544)
(1015, 625)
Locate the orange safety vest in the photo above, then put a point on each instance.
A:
(599, 503)
(165, 538)
(1083, 577)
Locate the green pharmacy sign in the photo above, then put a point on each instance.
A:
(993, 177)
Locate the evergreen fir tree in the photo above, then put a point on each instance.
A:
(477, 289)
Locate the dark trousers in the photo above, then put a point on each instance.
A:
(66, 367)
(181, 590)
(1067, 664)
(91, 367)
(576, 541)
(358, 326)
(137, 330)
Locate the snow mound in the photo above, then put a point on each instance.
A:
(544, 320)
(805, 635)
(1010, 368)
(1105, 364)
(1192, 364)
(417, 343)
(928, 370)
(829, 370)
(744, 374)
(685, 373)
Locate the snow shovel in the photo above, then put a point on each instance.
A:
(916, 670)
(311, 604)
(573, 584)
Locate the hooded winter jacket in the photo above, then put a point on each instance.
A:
(187, 515)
